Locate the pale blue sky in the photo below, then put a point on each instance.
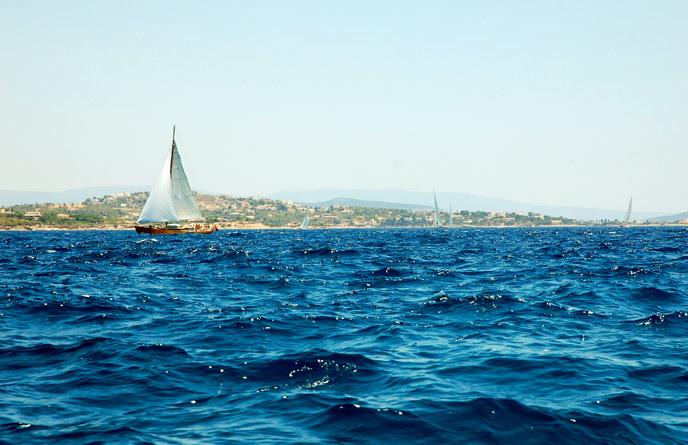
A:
(554, 102)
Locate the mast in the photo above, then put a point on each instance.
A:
(174, 128)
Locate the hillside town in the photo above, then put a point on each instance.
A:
(120, 211)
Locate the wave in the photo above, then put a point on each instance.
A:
(386, 272)
(101, 434)
(667, 249)
(231, 254)
(663, 319)
(312, 369)
(654, 294)
(325, 251)
(166, 350)
(67, 309)
(487, 420)
(46, 354)
(377, 425)
(630, 271)
(482, 302)
(634, 402)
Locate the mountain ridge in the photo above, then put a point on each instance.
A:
(676, 217)
(459, 201)
(76, 195)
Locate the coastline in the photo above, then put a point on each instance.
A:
(261, 227)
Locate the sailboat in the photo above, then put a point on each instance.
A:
(170, 203)
(627, 220)
(304, 223)
(451, 216)
(437, 211)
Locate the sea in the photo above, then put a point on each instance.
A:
(375, 336)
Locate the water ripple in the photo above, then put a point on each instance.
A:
(367, 336)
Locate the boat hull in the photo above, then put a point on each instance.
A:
(152, 230)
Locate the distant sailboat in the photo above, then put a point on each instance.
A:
(170, 201)
(437, 211)
(304, 223)
(627, 220)
(451, 216)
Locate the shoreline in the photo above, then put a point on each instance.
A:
(249, 227)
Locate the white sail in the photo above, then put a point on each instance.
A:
(451, 216)
(304, 223)
(437, 210)
(186, 207)
(630, 209)
(170, 200)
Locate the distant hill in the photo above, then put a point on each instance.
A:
(458, 201)
(670, 218)
(350, 202)
(380, 199)
(12, 197)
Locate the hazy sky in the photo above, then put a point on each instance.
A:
(554, 102)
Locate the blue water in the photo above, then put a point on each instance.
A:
(365, 336)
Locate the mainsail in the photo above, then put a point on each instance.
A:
(304, 223)
(628, 213)
(170, 200)
(437, 210)
(451, 216)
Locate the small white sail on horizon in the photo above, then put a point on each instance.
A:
(170, 199)
(437, 210)
(627, 220)
(304, 223)
(451, 216)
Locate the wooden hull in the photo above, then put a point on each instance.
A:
(152, 230)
